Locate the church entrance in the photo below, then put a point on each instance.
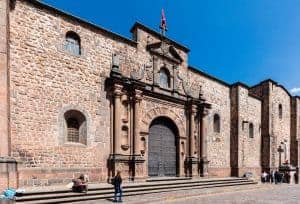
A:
(162, 148)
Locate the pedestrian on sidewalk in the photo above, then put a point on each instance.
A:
(264, 177)
(277, 177)
(117, 182)
(272, 176)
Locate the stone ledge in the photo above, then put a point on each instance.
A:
(8, 160)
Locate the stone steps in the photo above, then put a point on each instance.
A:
(66, 196)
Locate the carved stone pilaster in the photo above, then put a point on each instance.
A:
(155, 71)
(117, 118)
(203, 163)
(192, 130)
(176, 80)
(137, 100)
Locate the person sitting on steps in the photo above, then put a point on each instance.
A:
(80, 184)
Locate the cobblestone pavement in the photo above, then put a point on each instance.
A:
(260, 194)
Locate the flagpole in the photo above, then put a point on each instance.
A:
(163, 24)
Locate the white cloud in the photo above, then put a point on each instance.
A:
(295, 90)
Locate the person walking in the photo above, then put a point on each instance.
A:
(272, 176)
(117, 182)
(264, 177)
(277, 177)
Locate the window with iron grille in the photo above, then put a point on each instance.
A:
(76, 127)
(72, 43)
(73, 130)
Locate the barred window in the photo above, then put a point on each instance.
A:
(73, 130)
(76, 130)
(217, 123)
(251, 130)
(72, 43)
(164, 78)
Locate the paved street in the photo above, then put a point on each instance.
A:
(260, 194)
(274, 195)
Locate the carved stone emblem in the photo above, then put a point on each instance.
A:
(145, 70)
(138, 74)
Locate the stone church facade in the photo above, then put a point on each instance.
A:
(76, 98)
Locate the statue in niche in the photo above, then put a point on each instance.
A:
(155, 71)
(116, 63)
(176, 80)
(149, 70)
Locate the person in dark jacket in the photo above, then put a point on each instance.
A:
(276, 177)
(117, 182)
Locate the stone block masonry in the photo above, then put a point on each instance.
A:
(65, 112)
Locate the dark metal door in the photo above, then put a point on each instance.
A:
(162, 149)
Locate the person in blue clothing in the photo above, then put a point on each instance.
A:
(117, 182)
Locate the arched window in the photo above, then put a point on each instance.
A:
(72, 43)
(164, 78)
(76, 130)
(251, 130)
(280, 111)
(217, 123)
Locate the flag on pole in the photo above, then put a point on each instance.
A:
(163, 21)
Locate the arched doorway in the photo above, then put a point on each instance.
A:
(162, 148)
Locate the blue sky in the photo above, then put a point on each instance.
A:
(234, 40)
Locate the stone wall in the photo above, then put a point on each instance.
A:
(245, 148)
(250, 148)
(275, 128)
(46, 81)
(262, 90)
(281, 126)
(295, 130)
(218, 144)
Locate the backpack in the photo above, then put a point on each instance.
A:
(113, 181)
(9, 193)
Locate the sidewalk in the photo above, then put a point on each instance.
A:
(167, 197)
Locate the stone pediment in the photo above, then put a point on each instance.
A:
(165, 50)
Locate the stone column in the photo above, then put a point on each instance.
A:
(192, 131)
(203, 146)
(117, 118)
(138, 160)
(192, 161)
(155, 71)
(138, 98)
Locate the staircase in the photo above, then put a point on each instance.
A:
(105, 191)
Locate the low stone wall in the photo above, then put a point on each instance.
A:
(219, 172)
(46, 177)
(8, 173)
